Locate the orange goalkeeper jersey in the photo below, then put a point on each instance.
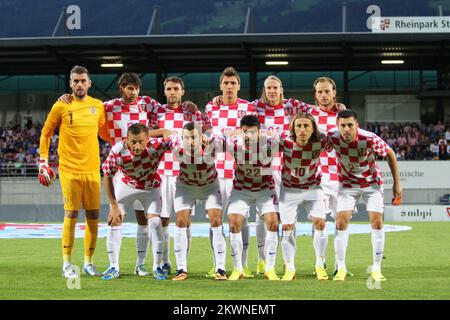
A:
(79, 123)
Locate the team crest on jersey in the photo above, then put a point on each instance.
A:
(287, 110)
(241, 113)
(362, 152)
(92, 110)
(141, 107)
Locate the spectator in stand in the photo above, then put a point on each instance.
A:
(442, 150)
(447, 135)
(402, 141)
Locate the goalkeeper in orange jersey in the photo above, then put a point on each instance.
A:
(79, 122)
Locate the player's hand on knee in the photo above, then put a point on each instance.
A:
(115, 217)
(46, 174)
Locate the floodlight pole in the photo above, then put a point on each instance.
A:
(249, 20)
(154, 22)
(440, 11)
(344, 15)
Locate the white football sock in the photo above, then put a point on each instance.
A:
(378, 238)
(180, 247)
(236, 250)
(142, 243)
(166, 244)
(320, 242)
(288, 248)
(220, 247)
(271, 249)
(113, 243)
(245, 231)
(340, 245)
(157, 236)
(261, 230)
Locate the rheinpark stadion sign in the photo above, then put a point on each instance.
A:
(410, 24)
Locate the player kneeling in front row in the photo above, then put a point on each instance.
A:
(359, 176)
(300, 178)
(253, 185)
(136, 161)
(197, 181)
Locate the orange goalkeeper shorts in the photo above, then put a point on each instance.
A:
(80, 189)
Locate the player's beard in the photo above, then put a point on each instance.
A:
(79, 96)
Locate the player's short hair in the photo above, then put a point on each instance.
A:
(230, 72)
(264, 93)
(191, 126)
(176, 80)
(315, 136)
(129, 78)
(347, 113)
(323, 79)
(137, 128)
(79, 70)
(250, 121)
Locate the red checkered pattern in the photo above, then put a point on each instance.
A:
(301, 164)
(326, 120)
(197, 169)
(356, 160)
(253, 172)
(121, 115)
(223, 118)
(138, 171)
(277, 119)
(174, 120)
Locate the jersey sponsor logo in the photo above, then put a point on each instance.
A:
(362, 152)
(241, 113)
(316, 154)
(187, 117)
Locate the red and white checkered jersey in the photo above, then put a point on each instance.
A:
(121, 115)
(356, 160)
(253, 171)
(301, 163)
(174, 120)
(196, 168)
(223, 118)
(277, 119)
(138, 171)
(326, 120)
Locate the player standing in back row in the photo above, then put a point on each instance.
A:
(227, 117)
(79, 164)
(169, 118)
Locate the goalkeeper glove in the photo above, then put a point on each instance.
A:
(46, 174)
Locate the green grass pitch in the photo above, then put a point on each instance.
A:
(417, 266)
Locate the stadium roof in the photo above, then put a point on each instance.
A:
(207, 53)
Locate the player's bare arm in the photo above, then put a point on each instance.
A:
(114, 217)
(393, 165)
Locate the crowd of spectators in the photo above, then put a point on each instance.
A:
(414, 141)
(19, 150)
(19, 145)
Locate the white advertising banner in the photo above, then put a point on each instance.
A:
(410, 24)
(420, 212)
(418, 174)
